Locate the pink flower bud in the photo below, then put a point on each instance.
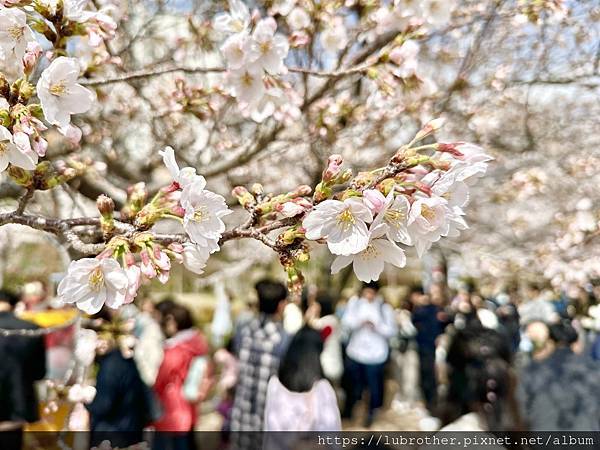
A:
(176, 247)
(374, 199)
(333, 169)
(450, 148)
(161, 259)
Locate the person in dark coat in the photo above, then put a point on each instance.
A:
(121, 408)
(427, 320)
(23, 362)
(561, 392)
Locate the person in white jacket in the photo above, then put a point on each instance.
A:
(372, 323)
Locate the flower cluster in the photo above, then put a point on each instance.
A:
(22, 119)
(91, 283)
(255, 55)
(417, 208)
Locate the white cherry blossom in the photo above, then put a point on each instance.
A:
(16, 150)
(437, 12)
(90, 283)
(427, 222)
(60, 94)
(342, 223)
(246, 84)
(14, 34)
(234, 21)
(394, 216)
(335, 36)
(268, 49)
(370, 262)
(298, 18)
(204, 211)
(196, 256)
(184, 176)
(235, 49)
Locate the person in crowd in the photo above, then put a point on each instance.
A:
(406, 360)
(299, 398)
(481, 391)
(121, 409)
(183, 346)
(320, 315)
(150, 338)
(559, 389)
(372, 323)
(259, 345)
(228, 376)
(23, 362)
(426, 318)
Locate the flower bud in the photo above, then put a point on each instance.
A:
(333, 167)
(257, 189)
(430, 127)
(4, 86)
(302, 191)
(322, 192)
(344, 177)
(21, 176)
(105, 205)
(245, 198)
(449, 148)
(30, 59)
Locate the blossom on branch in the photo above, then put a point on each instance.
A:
(60, 94)
(91, 282)
(16, 150)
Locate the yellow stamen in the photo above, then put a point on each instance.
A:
(394, 216)
(201, 214)
(346, 219)
(58, 89)
(427, 212)
(265, 47)
(370, 252)
(96, 279)
(16, 32)
(3, 148)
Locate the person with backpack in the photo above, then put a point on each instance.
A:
(372, 323)
(182, 382)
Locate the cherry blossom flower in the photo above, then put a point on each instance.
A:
(14, 34)
(445, 185)
(427, 222)
(182, 177)
(134, 279)
(437, 12)
(204, 211)
(342, 223)
(370, 262)
(246, 84)
(406, 57)
(394, 216)
(298, 19)
(59, 93)
(267, 48)
(235, 49)
(196, 256)
(16, 150)
(235, 21)
(334, 37)
(90, 283)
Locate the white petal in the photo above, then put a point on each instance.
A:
(339, 263)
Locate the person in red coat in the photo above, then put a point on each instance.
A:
(184, 344)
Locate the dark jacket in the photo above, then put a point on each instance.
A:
(428, 325)
(23, 361)
(120, 409)
(561, 392)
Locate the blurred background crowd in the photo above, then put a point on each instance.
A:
(369, 357)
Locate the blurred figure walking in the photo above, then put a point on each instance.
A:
(372, 323)
(259, 346)
(23, 362)
(299, 398)
(183, 347)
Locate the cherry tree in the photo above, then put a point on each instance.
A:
(274, 75)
